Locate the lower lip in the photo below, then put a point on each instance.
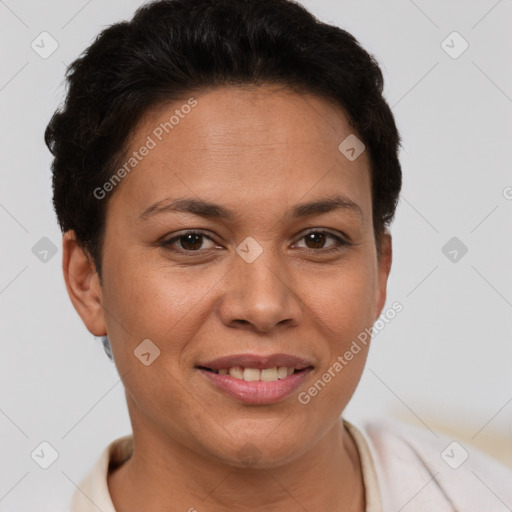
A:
(257, 392)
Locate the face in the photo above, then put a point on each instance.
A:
(280, 259)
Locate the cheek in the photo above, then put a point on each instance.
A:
(343, 305)
(151, 302)
(167, 305)
(341, 314)
(149, 297)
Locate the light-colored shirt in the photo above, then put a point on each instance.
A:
(405, 469)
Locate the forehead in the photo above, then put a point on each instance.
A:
(244, 145)
(248, 118)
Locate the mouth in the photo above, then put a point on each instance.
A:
(256, 379)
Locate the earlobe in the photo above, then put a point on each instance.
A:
(82, 284)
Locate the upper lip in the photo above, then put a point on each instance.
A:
(256, 361)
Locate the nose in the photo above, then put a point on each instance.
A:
(260, 296)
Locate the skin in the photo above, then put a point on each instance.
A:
(259, 152)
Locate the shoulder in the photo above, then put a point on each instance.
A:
(92, 493)
(422, 470)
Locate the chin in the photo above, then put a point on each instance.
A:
(265, 449)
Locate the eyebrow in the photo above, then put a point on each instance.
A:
(210, 210)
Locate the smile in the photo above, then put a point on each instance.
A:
(256, 392)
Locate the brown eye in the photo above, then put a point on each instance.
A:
(315, 241)
(191, 241)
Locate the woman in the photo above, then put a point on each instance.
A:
(225, 174)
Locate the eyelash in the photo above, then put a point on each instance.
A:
(341, 243)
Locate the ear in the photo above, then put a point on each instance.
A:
(384, 267)
(82, 284)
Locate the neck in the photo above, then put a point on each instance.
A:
(162, 472)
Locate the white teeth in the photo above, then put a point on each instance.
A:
(269, 374)
(236, 372)
(254, 374)
(282, 372)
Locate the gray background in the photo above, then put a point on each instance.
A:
(443, 362)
